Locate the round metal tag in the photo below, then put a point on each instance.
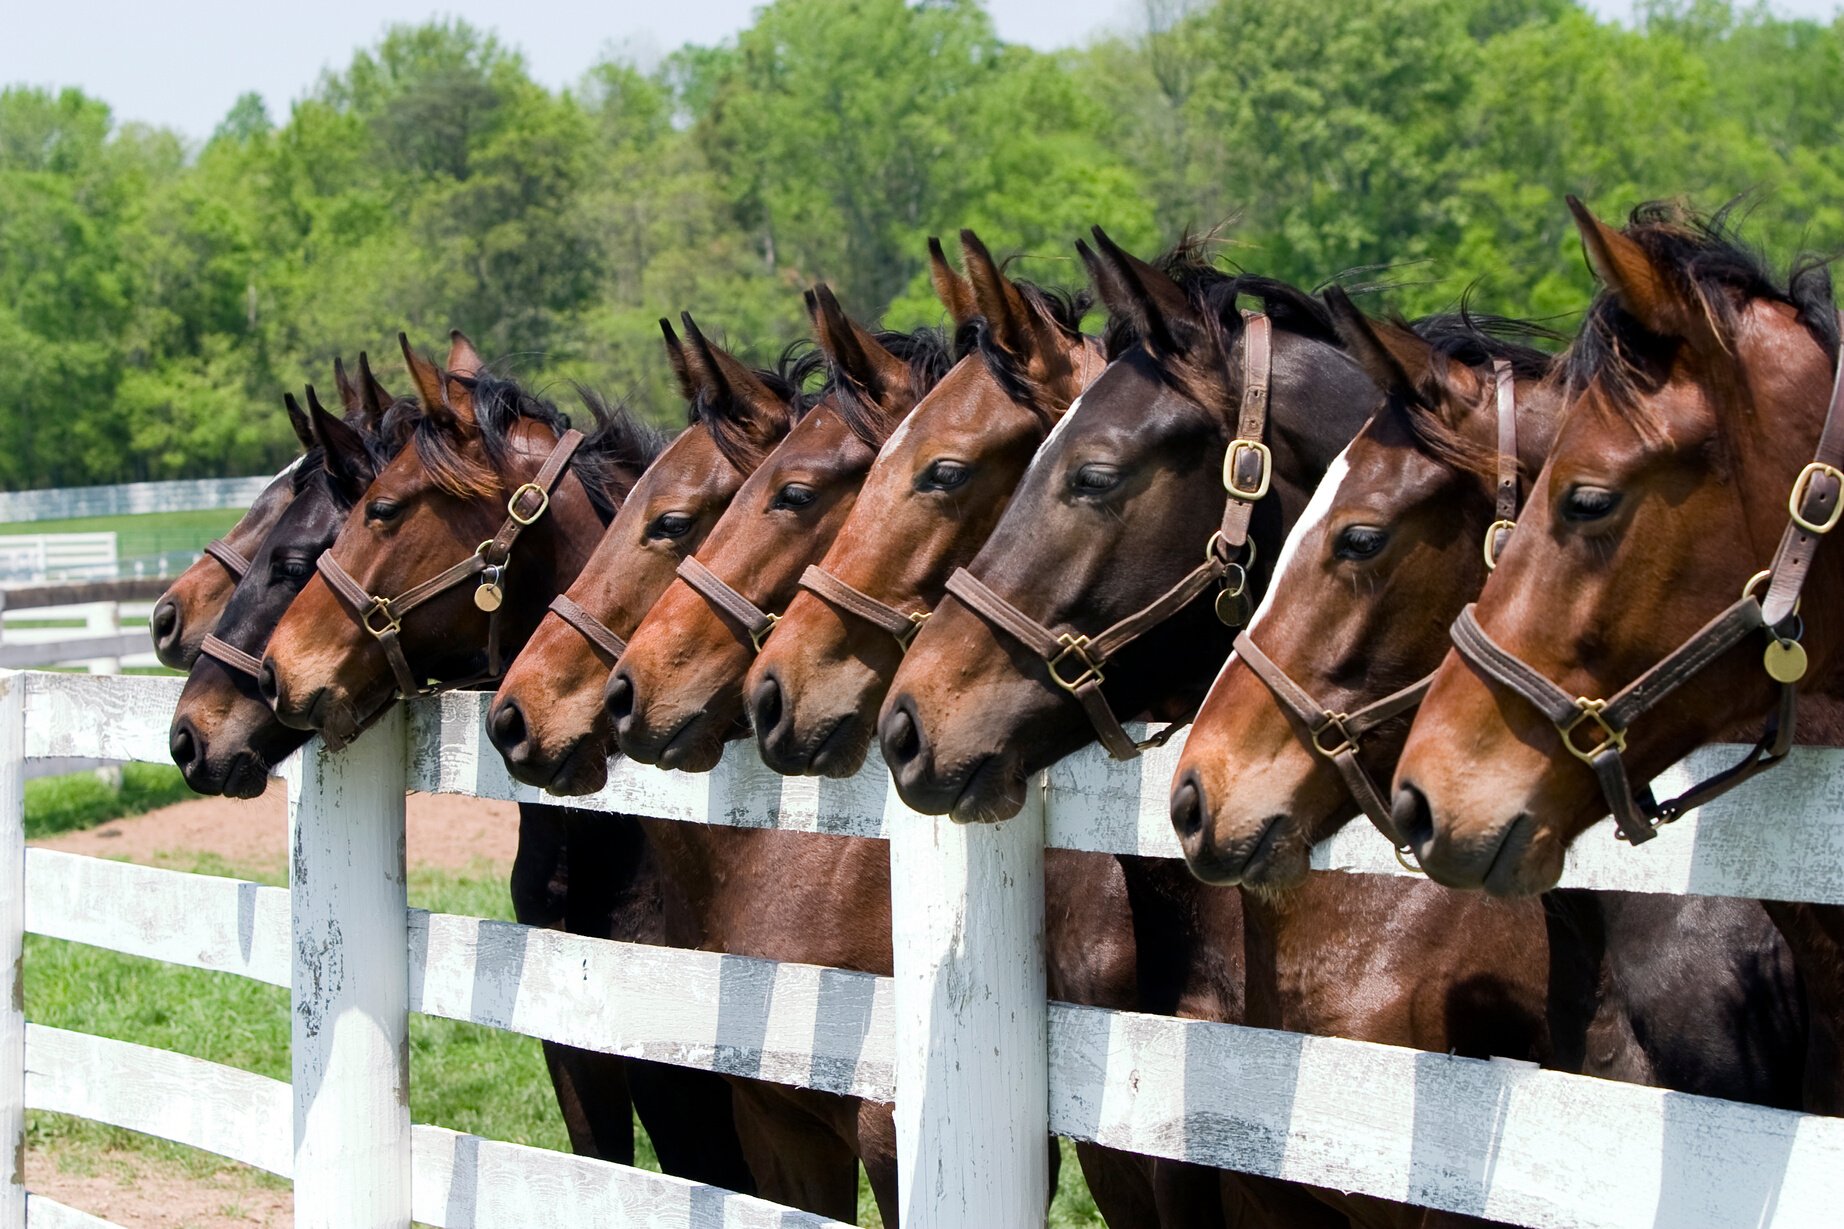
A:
(1785, 661)
(1233, 607)
(489, 596)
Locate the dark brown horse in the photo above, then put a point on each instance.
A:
(547, 719)
(188, 611)
(1695, 398)
(1693, 993)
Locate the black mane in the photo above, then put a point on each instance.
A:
(1216, 295)
(789, 380)
(1062, 309)
(927, 352)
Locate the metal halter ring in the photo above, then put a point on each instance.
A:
(1405, 858)
(380, 605)
(512, 505)
(1491, 542)
(1587, 710)
(916, 619)
(1248, 494)
(1797, 497)
(1333, 723)
(1091, 669)
(1210, 551)
(1761, 577)
(757, 637)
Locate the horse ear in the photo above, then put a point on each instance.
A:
(1631, 277)
(999, 301)
(373, 396)
(1394, 358)
(349, 395)
(675, 354)
(347, 460)
(730, 383)
(428, 381)
(463, 359)
(1149, 299)
(304, 430)
(954, 291)
(857, 357)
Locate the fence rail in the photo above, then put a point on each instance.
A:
(960, 1038)
(130, 498)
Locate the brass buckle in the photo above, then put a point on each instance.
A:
(916, 619)
(512, 505)
(1236, 448)
(1797, 497)
(380, 605)
(757, 637)
(1333, 722)
(1491, 542)
(1091, 669)
(1590, 710)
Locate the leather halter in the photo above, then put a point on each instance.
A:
(1336, 735)
(234, 561)
(232, 656)
(755, 622)
(589, 627)
(383, 616)
(1074, 661)
(1813, 509)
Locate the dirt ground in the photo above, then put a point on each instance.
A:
(140, 1192)
(443, 831)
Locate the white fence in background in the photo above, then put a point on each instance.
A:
(112, 635)
(980, 1066)
(35, 558)
(130, 498)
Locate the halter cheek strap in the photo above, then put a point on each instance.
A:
(589, 627)
(835, 592)
(1075, 661)
(1335, 735)
(383, 616)
(234, 561)
(755, 622)
(1813, 509)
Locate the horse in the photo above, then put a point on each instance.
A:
(189, 609)
(547, 719)
(1308, 714)
(1697, 396)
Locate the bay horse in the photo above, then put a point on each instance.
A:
(227, 740)
(1110, 521)
(547, 719)
(188, 611)
(1696, 994)
(1696, 399)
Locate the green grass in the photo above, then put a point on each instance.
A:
(83, 800)
(148, 534)
(462, 1076)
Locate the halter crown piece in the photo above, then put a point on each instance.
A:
(383, 616)
(1813, 510)
(1075, 660)
(1335, 735)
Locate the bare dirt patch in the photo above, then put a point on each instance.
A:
(140, 1192)
(443, 831)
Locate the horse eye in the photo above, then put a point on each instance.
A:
(1583, 504)
(1359, 542)
(381, 510)
(946, 475)
(671, 525)
(1093, 479)
(794, 495)
(290, 569)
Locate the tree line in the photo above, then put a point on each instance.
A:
(156, 296)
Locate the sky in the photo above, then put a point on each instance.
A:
(182, 63)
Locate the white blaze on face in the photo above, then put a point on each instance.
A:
(1317, 509)
(896, 437)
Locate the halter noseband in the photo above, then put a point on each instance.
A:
(1813, 509)
(1335, 735)
(1074, 661)
(234, 561)
(589, 627)
(383, 616)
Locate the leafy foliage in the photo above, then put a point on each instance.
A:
(156, 298)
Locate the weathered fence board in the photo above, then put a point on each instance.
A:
(466, 1182)
(202, 921)
(75, 648)
(131, 498)
(234, 1113)
(1495, 1139)
(43, 1213)
(794, 1024)
(12, 953)
(109, 717)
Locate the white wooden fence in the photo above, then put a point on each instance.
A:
(980, 1066)
(35, 558)
(130, 498)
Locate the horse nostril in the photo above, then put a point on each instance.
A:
(507, 727)
(267, 684)
(164, 622)
(901, 738)
(618, 697)
(186, 747)
(1413, 817)
(1188, 808)
(765, 705)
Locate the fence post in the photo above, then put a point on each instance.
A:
(972, 1063)
(12, 950)
(351, 983)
